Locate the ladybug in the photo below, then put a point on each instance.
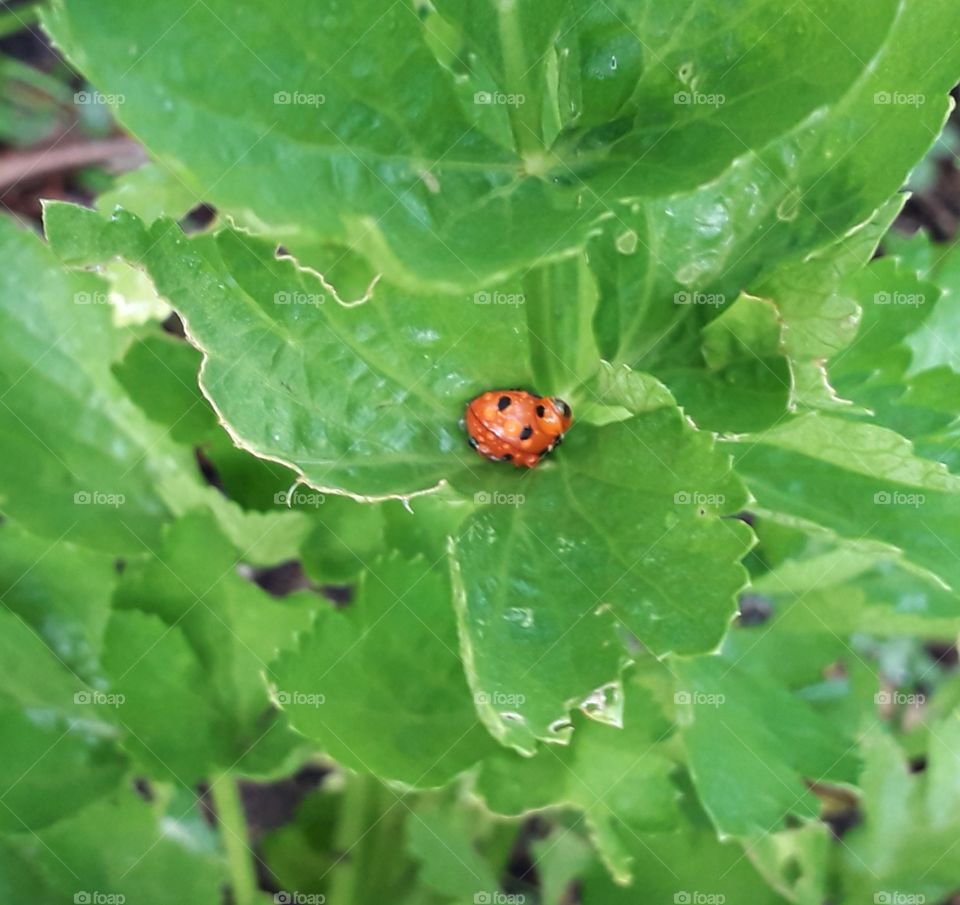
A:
(516, 426)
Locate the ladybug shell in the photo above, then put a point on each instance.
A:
(516, 426)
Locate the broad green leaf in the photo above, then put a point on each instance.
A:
(844, 591)
(150, 192)
(618, 777)
(119, 847)
(104, 476)
(911, 823)
(159, 373)
(57, 751)
(687, 865)
(746, 384)
(751, 746)
(170, 724)
(51, 767)
(443, 839)
(272, 332)
(598, 540)
(379, 685)
(643, 102)
(222, 632)
(61, 591)
(861, 481)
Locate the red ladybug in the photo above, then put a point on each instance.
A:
(516, 426)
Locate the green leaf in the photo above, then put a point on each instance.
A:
(380, 685)
(51, 767)
(911, 821)
(603, 120)
(751, 745)
(682, 866)
(556, 562)
(275, 342)
(861, 481)
(61, 591)
(618, 777)
(197, 654)
(119, 847)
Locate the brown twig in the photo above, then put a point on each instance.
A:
(24, 166)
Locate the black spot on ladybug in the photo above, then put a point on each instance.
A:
(508, 457)
(473, 442)
(503, 403)
(526, 433)
(541, 411)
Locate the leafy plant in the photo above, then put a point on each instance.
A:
(691, 644)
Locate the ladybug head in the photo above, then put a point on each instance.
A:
(556, 417)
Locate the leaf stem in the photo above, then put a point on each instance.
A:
(236, 840)
(524, 115)
(359, 793)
